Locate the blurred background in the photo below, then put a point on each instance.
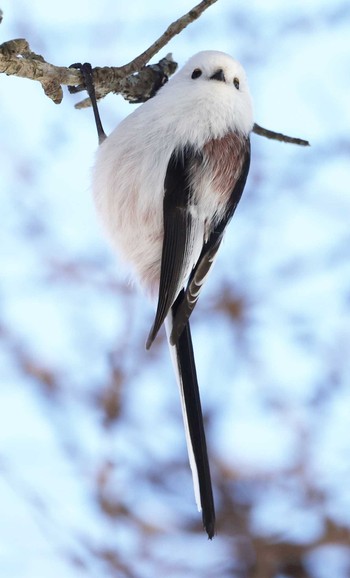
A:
(94, 478)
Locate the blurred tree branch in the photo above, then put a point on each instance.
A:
(135, 81)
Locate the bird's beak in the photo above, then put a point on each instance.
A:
(219, 75)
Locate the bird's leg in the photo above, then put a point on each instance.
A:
(86, 71)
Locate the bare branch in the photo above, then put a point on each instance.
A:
(135, 81)
(279, 136)
(17, 59)
(135, 88)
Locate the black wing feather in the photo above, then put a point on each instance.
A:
(208, 255)
(179, 233)
(179, 227)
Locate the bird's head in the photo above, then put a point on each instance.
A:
(214, 85)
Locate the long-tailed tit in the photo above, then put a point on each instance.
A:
(166, 183)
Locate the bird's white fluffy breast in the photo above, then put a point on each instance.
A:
(128, 177)
(128, 186)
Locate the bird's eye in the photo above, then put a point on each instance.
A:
(236, 82)
(196, 73)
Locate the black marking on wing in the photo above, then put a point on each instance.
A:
(208, 254)
(179, 230)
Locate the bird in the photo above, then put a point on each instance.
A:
(166, 183)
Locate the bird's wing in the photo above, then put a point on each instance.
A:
(181, 233)
(181, 229)
(208, 254)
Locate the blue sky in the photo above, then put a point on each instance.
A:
(275, 384)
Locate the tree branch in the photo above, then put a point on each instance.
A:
(279, 136)
(16, 59)
(135, 88)
(135, 81)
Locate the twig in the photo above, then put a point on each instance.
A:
(279, 136)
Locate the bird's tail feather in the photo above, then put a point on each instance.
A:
(185, 369)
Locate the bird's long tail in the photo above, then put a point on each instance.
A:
(185, 369)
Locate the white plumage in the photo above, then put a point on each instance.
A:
(128, 179)
(166, 182)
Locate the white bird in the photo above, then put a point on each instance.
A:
(166, 183)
